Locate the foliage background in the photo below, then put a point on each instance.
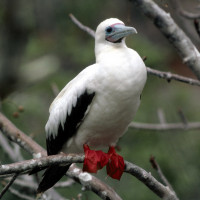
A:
(40, 47)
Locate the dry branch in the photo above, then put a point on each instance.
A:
(163, 21)
(86, 179)
(28, 165)
(17, 136)
(8, 185)
(185, 13)
(158, 188)
(170, 76)
(21, 195)
(92, 183)
(165, 127)
(81, 26)
(156, 166)
(13, 133)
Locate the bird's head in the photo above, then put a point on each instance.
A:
(112, 32)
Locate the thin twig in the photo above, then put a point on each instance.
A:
(158, 188)
(185, 13)
(165, 127)
(55, 89)
(156, 166)
(65, 184)
(8, 185)
(182, 117)
(6, 147)
(161, 116)
(170, 76)
(20, 195)
(25, 184)
(81, 26)
(165, 75)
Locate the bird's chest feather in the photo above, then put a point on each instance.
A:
(118, 88)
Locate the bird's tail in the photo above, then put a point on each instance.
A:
(51, 176)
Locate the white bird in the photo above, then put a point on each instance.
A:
(96, 107)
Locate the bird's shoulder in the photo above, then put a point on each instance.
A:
(78, 89)
(77, 86)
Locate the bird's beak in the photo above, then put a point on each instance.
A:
(119, 32)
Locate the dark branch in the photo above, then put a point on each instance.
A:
(197, 26)
(8, 185)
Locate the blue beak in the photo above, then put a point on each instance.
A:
(117, 32)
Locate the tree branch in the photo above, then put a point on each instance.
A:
(11, 131)
(170, 76)
(20, 195)
(184, 13)
(158, 188)
(6, 147)
(165, 126)
(156, 166)
(81, 26)
(17, 136)
(86, 179)
(28, 165)
(163, 21)
(92, 183)
(8, 185)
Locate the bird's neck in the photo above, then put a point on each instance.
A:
(105, 50)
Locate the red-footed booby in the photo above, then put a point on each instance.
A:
(95, 108)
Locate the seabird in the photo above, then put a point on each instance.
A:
(95, 108)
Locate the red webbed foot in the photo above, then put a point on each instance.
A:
(115, 166)
(94, 160)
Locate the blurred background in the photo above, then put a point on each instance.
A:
(41, 49)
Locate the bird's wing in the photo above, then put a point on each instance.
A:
(68, 111)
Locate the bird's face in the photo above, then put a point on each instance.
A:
(113, 31)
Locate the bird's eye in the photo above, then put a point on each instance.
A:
(109, 29)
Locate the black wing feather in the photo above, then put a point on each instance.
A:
(54, 145)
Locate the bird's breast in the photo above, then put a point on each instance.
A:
(118, 88)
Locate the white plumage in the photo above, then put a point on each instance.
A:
(117, 79)
(96, 107)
